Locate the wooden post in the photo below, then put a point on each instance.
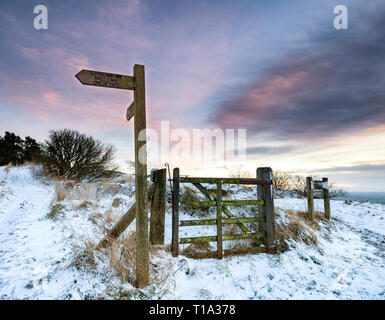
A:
(138, 110)
(219, 220)
(325, 188)
(260, 196)
(158, 208)
(310, 201)
(142, 243)
(175, 213)
(267, 174)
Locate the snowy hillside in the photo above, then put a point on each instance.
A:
(48, 230)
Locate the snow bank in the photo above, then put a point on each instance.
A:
(36, 252)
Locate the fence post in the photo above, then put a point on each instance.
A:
(325, 189)
(260, 196)
(158, 208)
(310, 200)
(219, 220)
(175, 213)
(269, 211)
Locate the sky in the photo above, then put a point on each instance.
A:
(310, 97)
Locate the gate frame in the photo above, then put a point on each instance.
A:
(265, 200)
(320, 185)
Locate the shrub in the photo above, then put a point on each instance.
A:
(15, 150)
(73, 155)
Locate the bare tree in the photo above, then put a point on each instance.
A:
(281, 180)
(76, 156)
(240, 173)
(131, 166)
(298, 184)
(335, 192)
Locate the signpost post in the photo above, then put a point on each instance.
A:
(137, 109)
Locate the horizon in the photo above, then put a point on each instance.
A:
(310, 97)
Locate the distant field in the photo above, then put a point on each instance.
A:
(377, 197)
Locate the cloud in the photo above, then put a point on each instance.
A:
(332, 86)
(52, 98)
(367, 168)
(268, 150)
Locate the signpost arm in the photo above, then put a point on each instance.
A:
(142, 240)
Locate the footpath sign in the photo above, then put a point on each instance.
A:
(137, 108)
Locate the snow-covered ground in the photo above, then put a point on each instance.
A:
(37, 252)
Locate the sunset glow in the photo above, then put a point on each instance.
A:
(311, 98)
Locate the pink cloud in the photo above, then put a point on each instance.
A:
(52, 98)
(258, 100)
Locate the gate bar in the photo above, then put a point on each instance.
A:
(207, 222)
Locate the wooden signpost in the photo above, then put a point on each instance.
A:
(137, 109)
(323, 185)
(107, 80)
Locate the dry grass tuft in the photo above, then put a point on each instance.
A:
(8, 166)
(84, 254)
(199, 250)
(126, 180)
(225, 193)
(96, 218)
(56, 209)
(167, 247)
(116, 202)
(121, 255)
(70, 190)
(233, 229)
(317, 214)
(107, 187)
(196, 247)
(60, 192)
(191, 195)
(230, 229)
(40, 172)
(188, 195)
(84, 205)
(110, 216)
(299, 228)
